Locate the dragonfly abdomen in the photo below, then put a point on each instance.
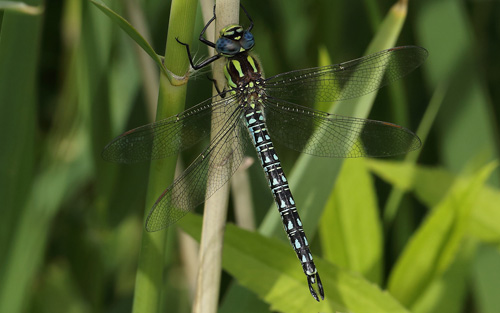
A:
(278, 183)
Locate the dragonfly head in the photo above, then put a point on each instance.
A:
(233, 40)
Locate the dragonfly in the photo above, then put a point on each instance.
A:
(274, 109)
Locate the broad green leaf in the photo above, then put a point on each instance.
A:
(350, 229)
(447, 293)
(435, 244)
(270, 269)
(431, 184)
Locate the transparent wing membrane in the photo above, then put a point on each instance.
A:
(329, 135)
(346, 80)
(168, 136)
(217, 163)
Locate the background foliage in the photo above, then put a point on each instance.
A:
(71, 224)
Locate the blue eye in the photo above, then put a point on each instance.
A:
(227, 46)
(247, 42)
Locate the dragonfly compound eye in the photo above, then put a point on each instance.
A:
(247, 42)
(227, 46)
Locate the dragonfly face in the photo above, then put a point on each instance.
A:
(233, 40)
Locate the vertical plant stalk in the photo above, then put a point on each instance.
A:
(243, 203)
(171, 99)
(209, 273)
(396, 196)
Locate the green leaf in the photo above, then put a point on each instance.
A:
(486, 279)
(447, 293)
(465, 123)
(435, 244)
(396, 196)
(269, 268)
(430, 184)
(350, 228)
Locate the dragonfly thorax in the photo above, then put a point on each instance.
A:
(241, 70)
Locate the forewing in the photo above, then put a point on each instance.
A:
(346, 80)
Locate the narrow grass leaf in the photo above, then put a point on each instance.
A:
(134, 35)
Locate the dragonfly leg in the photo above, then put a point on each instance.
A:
(203, 39)
(248, 16)
(201, 64)
(222, 93)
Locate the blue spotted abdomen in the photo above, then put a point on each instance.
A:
(278, 183)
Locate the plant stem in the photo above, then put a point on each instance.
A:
(171, 99)
(208, 281)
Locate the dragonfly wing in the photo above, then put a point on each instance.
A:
(168, 136)
(209, 172)
(346, 80)
(329, 135)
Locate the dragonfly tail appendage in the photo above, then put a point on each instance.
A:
(312, 280)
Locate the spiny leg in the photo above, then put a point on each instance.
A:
(248, 16)
(201, 64)
(222, 93)
(205, 41)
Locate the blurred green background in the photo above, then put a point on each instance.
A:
(71, 224)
